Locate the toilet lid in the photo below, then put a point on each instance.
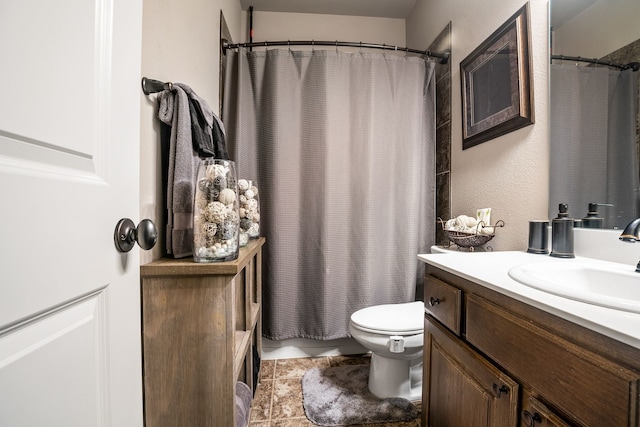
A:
(393, 319)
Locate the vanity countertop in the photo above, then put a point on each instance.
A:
(490, 269)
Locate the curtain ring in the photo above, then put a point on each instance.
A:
(313, 47)
(360, 47)
(336, 46)
(289, 45)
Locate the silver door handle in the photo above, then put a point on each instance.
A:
(127, 234)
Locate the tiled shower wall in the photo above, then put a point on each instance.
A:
(443, 133)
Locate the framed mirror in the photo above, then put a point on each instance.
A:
(593, 103)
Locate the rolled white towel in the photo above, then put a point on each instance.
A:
(466, 221)
(487, 229)
(462, 223)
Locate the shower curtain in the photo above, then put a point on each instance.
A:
(593, 142)
(342, 146)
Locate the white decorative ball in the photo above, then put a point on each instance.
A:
(243, 184)
(232, 217)
(215, 212)
(227, 196)
(249, 194)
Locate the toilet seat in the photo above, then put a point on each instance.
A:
(391, 319)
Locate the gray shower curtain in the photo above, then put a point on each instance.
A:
(342, 146)
(593, 141)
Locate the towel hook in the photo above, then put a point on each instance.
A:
(150, 86)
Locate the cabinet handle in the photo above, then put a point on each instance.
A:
(531, 420)
(434, 301)
(499, 391)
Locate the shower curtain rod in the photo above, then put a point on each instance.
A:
(443, 56)
(634, 65)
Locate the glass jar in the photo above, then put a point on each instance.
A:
(216, 221)
(249, 208)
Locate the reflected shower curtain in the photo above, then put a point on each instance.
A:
(342, 146)
(593, 142)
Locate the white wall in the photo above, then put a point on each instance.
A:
(599, 30)
(180, 43)
(309, 26)
(510, 173)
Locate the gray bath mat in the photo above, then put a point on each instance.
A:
(339, 396)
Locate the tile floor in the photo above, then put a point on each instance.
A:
(278, 398)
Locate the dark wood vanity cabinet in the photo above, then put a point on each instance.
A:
(490, 360)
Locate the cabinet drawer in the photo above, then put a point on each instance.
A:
(537, 414)
(588, 388)
(444, 302)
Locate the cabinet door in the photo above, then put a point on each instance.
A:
(461, 388)
(590, 389)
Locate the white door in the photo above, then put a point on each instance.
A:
(69, 142)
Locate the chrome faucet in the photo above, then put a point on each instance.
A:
(631, 234)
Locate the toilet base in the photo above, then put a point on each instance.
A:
(395, 378)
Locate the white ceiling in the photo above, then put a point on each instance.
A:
(379, 8)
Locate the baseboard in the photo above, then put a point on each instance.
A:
(301, 347)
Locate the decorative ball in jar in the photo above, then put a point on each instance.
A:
(216, 220)
(249, 208)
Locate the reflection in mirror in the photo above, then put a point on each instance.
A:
(594, 110)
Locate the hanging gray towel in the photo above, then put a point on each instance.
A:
(183, 167)
(195, 132)
(206, 128)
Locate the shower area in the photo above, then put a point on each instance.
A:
(341, 140)
(594, 138)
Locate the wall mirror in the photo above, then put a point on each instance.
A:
(594, 137)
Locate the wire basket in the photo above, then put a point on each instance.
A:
(471, 240)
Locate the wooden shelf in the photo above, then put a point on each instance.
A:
(200, 323)
(188, 267)
(243, 343)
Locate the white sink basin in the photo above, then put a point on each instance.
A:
(604, 284)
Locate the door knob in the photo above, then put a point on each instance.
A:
(126, 234)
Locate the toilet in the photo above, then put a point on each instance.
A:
(394, 334)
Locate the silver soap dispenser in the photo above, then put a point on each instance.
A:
(562, 234)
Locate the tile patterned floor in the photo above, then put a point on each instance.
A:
(278, 398)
